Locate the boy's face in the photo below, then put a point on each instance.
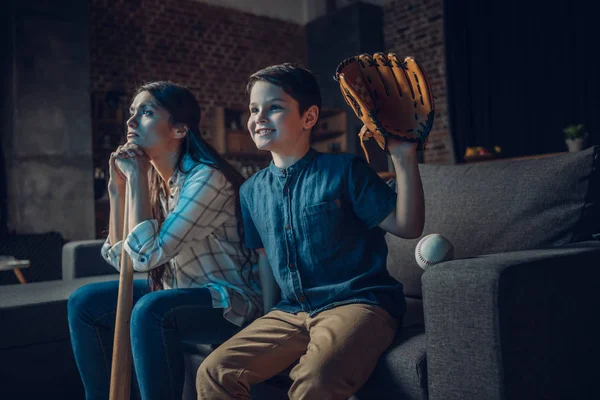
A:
(275, 123)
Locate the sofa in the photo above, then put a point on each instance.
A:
(36, 360)
(513, 316)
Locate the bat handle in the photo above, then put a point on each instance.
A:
(120, 377)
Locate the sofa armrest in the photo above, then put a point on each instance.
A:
(82, 258)
(517, 325)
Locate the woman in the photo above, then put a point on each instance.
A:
(185, 231)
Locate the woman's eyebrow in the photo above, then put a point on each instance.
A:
(141, 105)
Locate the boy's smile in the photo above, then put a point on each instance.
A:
(264, 131)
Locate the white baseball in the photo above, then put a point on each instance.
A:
(433, 249)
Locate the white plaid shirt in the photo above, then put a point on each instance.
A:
(199, 242)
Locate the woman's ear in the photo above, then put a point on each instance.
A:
(180, 131)
(311, 116)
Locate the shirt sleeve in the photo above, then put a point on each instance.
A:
(112, 254)
(372, 199)
(205, 202)
(251, 237)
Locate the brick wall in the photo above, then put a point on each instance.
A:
(213, 50)
(210, 49)
(416, 28)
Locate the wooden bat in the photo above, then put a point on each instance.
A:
(120, 377)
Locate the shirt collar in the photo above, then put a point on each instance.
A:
(295, 167)
(178, 177)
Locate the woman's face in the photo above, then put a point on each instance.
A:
(149, 126)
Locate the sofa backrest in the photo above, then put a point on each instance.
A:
(504, 205)
(82, 258)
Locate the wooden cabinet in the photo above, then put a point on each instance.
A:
(109, 115)
(232, 140)
(330, 133)
(110, 111)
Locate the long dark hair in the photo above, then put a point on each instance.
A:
(183, 108)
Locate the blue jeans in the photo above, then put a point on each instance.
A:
(160, 321)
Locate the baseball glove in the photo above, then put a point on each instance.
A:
(392, 97)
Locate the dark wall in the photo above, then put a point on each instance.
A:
(519, 74)
(46, 119)
(5, 109)
(350, 31)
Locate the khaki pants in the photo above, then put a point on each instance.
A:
(337, 351)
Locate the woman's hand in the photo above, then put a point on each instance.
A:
(132, 161)
(116, 179)
(127, 162)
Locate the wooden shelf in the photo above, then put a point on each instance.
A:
(331, 132)
(322, 136)
(491, 159)
(329, 112)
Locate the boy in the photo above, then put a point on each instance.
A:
(315, 220)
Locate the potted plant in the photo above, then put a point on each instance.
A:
(575, 136)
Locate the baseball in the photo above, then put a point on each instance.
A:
(433, 249)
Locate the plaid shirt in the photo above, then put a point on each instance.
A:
(198, 241)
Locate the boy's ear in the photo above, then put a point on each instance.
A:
(311, 116)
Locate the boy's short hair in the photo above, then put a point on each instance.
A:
(295, 80)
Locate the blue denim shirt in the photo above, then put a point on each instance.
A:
(317, 221)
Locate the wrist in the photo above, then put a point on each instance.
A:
(115, 189)
(136, 179)
(138, 184)
(404, 155)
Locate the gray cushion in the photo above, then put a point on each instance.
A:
(35, 348)
(82, 258)
(506, 205)
(36, 313)
(401, 373)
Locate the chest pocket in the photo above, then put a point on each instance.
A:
(323, 225)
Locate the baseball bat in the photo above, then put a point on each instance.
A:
(120, 377)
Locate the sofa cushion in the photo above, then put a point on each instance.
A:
(35, 349)
(82, 258)
(36, 313)
(505, 205)
(400, 373)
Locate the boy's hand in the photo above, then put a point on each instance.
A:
(400, 148)
(391, 96)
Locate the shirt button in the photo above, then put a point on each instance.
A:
(282, 170)
(142, 259)
(301, 298)
(285, 190)
(287, 227)
(292, 266)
